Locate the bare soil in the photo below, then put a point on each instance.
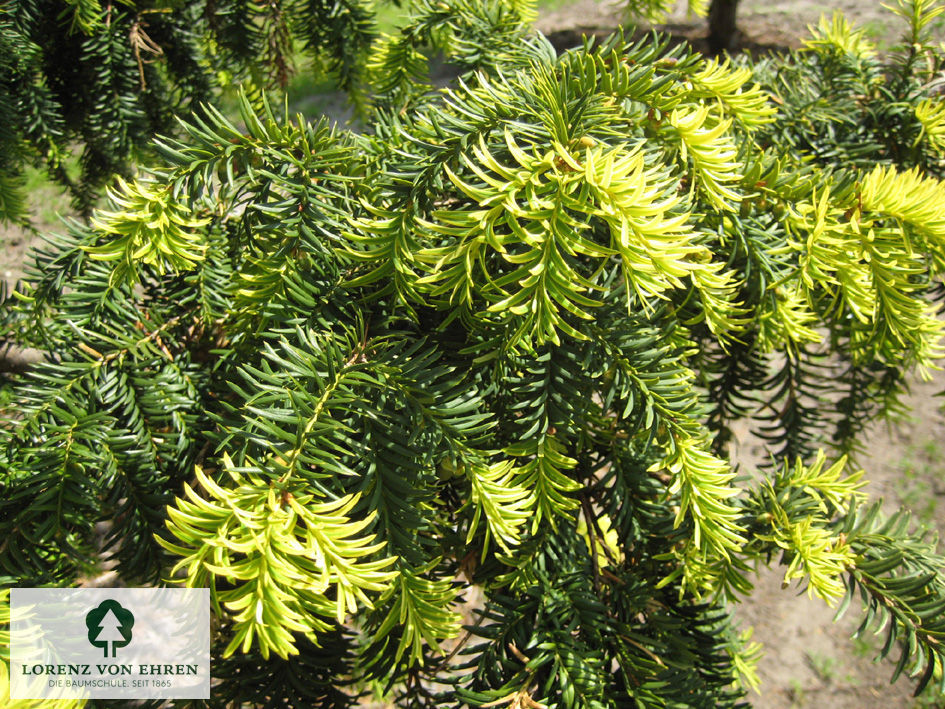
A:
(810, 660)
(763, 26)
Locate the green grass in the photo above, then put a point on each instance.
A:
(552, 5)
(918, 487)
(311, 90)
(46, 199)
(877, 31)
(389, 17)
(825, 666)
(797, 693)
(866, 647)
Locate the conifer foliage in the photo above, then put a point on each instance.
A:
(497, 342)
(92, 81)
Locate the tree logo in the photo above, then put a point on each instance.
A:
(109, 623)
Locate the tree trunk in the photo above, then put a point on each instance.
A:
(722, 25)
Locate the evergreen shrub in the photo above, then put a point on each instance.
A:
(494, 348)
(85, 84)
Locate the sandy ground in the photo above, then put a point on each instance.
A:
(809, 661)
(14, 242)
(762, 24)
